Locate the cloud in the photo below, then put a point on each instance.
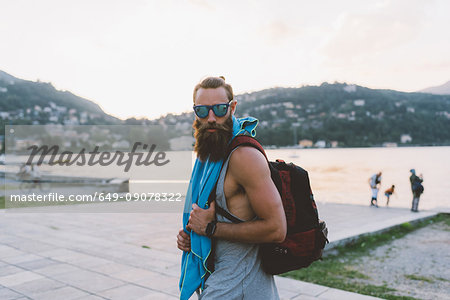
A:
(203, 4)
(278, 31)
(361, 36)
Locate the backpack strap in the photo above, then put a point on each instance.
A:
(225, 214)
(245, 140)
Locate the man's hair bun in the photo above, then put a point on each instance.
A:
(214, 83)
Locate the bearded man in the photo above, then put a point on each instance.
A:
(244, 189)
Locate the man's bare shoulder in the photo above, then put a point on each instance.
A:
(248, 161)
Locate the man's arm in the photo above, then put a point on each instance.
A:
(249, 168)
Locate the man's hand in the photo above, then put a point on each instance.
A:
(200, 218)
(183, 241)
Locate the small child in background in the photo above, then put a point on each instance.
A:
(388, 193)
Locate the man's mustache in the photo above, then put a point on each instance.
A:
(202, 127)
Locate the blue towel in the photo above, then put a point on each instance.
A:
(203, 179)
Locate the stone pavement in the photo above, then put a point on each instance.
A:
(134, 255)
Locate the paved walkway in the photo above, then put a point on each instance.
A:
(134, 255)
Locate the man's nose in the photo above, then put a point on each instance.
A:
(211, 116)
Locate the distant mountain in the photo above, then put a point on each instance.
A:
(5, 77)
(28, 102)
(341, 114)
(438, 90)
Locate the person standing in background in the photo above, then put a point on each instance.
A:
(416, 188)
(388, 193)
(375, 182)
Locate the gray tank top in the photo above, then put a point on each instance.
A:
(238, 273)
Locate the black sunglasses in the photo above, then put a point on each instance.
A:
(220, 110)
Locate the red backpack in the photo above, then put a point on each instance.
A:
(306, 234)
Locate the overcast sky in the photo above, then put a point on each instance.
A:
(143, 58)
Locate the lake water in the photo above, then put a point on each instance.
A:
(341, 174)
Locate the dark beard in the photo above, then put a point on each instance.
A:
(212, 144)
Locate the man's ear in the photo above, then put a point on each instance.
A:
(233, 105)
